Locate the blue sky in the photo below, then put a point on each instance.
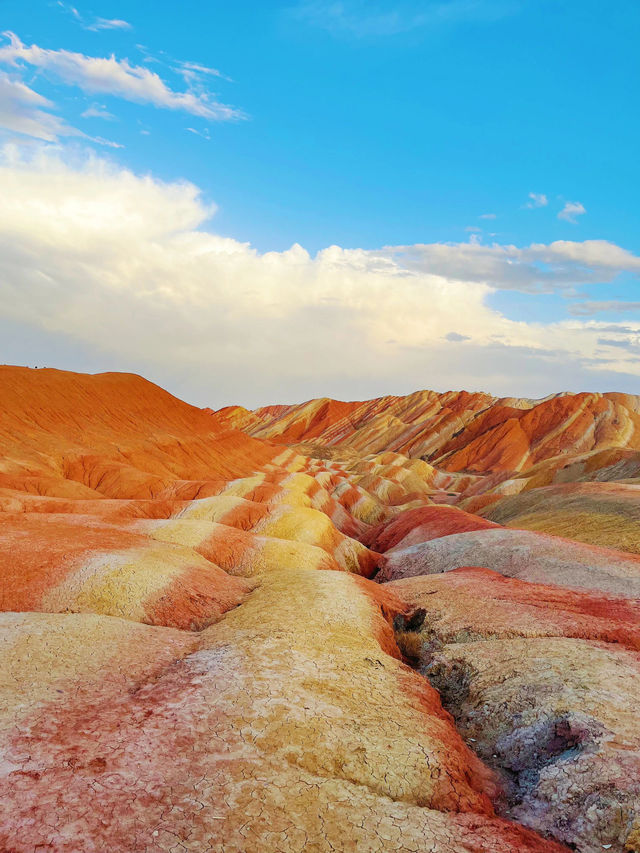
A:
(363, 125)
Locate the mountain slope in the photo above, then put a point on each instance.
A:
(457, 431)
(259, 632)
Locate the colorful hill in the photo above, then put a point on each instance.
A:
(457, 431)
(406, 624)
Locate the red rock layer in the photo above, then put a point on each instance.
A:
(422, 524)
(199, 662)
(456, 430)
(113, 435)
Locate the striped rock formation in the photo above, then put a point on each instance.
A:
(456, 431)
(249, 631)
(544, 683)
(599, 513)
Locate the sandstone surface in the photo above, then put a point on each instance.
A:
(404, 624)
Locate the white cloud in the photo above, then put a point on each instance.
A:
(193, 72)
(599, 254)
(25, 112)
(588, 309)
(96, 23)
(121, 265)
(111, 76)
(540, 267)
(571, 210)
(487, 216)
(98, 111)
(630, 344)
(70, 9)
(201, 69)
(108, 24)
(203, 133)
(536, 200)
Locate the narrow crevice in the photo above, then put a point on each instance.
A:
(519, 756)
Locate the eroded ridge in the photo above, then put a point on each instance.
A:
(223, 631)
(543, 682)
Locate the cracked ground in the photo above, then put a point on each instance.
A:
(408, 625)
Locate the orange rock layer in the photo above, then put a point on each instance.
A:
(254, 631)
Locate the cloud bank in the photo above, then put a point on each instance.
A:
(124, 267)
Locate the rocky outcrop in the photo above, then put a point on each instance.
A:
(543, 683)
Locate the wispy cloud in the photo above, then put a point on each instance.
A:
(203, 133)
(571, 210)
(376, 18)
(536, 200)
(109, 24)
(94, 24)
(98, 111)
(25, 112)
(110, 76)
(487, 216)
(191, 70)
(589, 309)
(70, 10)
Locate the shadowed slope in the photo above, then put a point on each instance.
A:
(544, 682)
(596, 513)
